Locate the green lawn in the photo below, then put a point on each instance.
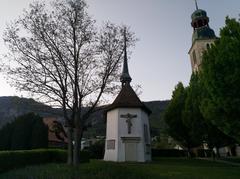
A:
(163, 168)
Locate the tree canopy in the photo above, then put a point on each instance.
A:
(209, 108)
(220, 75)
(60, 56)
(174, 118)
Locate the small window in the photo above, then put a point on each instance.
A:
(205, 22)
(200, 23)
(208, 46)
(146, 134)
(110, 144)
(194, 57)
(148, 149)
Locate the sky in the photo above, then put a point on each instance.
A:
(160, 58)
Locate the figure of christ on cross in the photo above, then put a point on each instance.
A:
(129, 117)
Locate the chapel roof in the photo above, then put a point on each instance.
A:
(127, 98)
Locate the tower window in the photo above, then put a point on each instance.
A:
(146, 135)
(208, 46)
(205, 22)
(200, 23)
(194, 57)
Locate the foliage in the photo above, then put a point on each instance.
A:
(202, 129)
(174, 118)
(192, 116)
(26, 132)
(163, 168)
(96, 150)
(220, 75)
(61, 56)
(163, 141)
(211, 101)
(16, 159)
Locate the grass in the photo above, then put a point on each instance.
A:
(162, 168)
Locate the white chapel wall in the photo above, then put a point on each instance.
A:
(112, 134)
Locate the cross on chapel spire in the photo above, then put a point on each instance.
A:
(125, 77)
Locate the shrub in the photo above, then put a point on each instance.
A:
(168, 153)
(204, 153)
(96, 150)
(15, 159)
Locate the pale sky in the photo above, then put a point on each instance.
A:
(160, 59)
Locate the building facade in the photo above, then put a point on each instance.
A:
(127, 132)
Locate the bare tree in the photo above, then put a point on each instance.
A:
(60, 56)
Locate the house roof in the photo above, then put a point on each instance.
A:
(51, 122)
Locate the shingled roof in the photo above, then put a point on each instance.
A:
(127, 98)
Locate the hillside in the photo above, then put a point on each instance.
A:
(11, 107)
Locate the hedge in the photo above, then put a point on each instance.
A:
(168, 153)
(204, 153)
(180, 153)
(15, 159)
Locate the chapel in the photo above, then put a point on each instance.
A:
(127, 132)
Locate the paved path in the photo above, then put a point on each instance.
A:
(222, 161)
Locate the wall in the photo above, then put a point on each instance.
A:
(199, 46)
(117, 129)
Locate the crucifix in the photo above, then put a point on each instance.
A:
(128, 118)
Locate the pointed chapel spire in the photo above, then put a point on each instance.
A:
(125, 77)
(196, 4)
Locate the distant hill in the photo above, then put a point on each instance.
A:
(157, 123)
(11, 107)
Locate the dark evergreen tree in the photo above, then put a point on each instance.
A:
(39, 138)
(22, 132)
(26, 132)
(6, 135)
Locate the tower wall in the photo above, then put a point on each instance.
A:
(196, 52)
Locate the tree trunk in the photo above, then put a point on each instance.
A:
(77, 145)
(218, 154)
(189, 152)
(213, 154)
(70, 146)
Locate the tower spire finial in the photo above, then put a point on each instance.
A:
(196, 4)
(125, 77)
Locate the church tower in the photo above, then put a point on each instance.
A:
(203, 36)
(127, 132)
